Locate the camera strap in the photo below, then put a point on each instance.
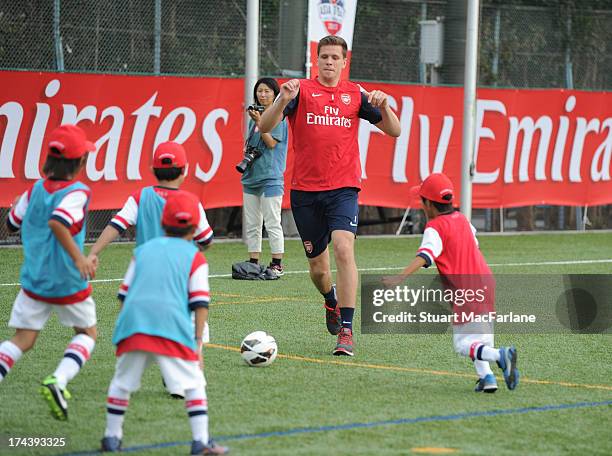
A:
(251, 133)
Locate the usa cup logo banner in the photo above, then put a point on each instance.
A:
(331, 13)
(329, 17)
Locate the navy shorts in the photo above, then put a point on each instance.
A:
(317, 214)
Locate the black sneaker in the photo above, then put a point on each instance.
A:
(110, 444)
(211, 447)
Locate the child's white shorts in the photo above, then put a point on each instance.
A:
(465, 335)
(29, 313)
(179, 374)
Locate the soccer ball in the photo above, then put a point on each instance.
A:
(258, 349)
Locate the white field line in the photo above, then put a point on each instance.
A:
(383, 236)
(393, 268)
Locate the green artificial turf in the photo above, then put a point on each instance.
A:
(392, 377)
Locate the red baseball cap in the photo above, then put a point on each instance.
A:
(169, 155)
(69, 141)
(435, 188)
(182, 210)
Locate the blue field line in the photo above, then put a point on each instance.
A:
(371, 424)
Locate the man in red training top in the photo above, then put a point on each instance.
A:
(324, 116)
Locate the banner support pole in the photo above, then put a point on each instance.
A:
(57, 36)
(469, 107)
(251, 64)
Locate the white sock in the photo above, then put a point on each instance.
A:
(479, 351)
(9, 354)
(117, 403)
(482, 368)
(197, 409)
(78, 351)
(489, 354)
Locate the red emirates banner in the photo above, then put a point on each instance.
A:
(126, 116)
(533, 146)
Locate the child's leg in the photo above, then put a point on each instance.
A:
(187, 375)
(181, 373)
(128, 372)
(76, 354)
(483, 368)
(479, 348)
(53, 388)
(28, 317)
(197, 410)
(479, 351)
(474, 340)
(11, 350)
(82, 317)
(117, 402)
(482, 349)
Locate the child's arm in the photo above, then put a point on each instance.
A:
(17, 212)
(201, 315)
(415, 265)
(127, 281)
(204, 233)
(125, 218)
(431, 247)
(108, 235)
(85, 265)
(199, 298)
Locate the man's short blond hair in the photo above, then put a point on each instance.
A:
(331, 40)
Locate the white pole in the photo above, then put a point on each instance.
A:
(469, 107)
(251, 68)
(251, 64)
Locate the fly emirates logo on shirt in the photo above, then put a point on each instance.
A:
(331, 118)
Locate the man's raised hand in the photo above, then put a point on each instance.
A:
(377, 98)
(290, 89)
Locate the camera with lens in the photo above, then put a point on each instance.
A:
(251, 153)
(256, 107)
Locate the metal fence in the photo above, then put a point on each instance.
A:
(521, 45)
(524, 43)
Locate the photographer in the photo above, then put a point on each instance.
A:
(262, 181)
